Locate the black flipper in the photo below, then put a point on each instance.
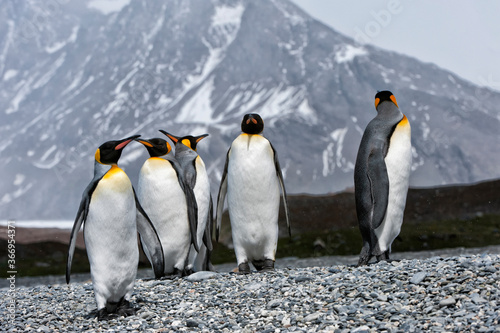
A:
(149, 235)
(81, 217)
(207, 236)
(379, 185)
(221, 197)
(191, 203)
(283, 191)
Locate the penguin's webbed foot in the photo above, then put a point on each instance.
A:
(364, 256)
(383, 256)
(265, 265)
(125, 309)
(103, 314)
(244, 268)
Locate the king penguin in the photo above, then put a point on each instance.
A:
(252, 180)
(381, 178)
(196, 177)
(170, 204)
(109, 210)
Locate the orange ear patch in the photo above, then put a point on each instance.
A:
(98, 155)
(393, 99)
(377, 101)
(186, 142)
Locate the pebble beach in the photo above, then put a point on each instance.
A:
(454, 291)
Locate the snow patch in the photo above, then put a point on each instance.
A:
(8, 197)
(19, 179)
(20, 96)
(48, 152)
(281, 102)
(307, 111)
(76, 81)
(45, 163)
(107, 7)
(333, 158)
(59, 45)
(385, 78)
(425, 130)
(348, 53)
(124, 80)
(199, 107)
(326, 159)
(227, 15)
(9, 74)
(51, 72)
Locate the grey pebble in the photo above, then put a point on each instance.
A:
(200, 276)
(312, 317)
(447, 301)
(192, 323)
(418, 277)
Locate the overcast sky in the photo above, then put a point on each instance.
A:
(462, 36)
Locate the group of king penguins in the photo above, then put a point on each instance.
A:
(172, 214)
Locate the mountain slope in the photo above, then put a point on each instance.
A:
(72, 77)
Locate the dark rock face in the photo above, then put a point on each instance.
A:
(72, 77)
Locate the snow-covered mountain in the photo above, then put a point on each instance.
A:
(74, 74)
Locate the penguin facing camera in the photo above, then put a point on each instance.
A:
(109, 210)
(251, 182)
(381, 178)
(170, 204)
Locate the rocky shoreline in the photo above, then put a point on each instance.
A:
(449, 290)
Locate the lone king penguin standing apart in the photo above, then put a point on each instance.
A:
(381, 178)
(109, 210)
(252, 180)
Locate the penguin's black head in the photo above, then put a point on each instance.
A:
(252, 123)
(109, 152)
(383, 96)
(156, 147)
(188, 140)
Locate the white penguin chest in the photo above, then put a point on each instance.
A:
(113, 198)
(251, 175)
(398, 164)
(398, 158)
(158, 182)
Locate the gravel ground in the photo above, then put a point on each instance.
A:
(445, 293)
